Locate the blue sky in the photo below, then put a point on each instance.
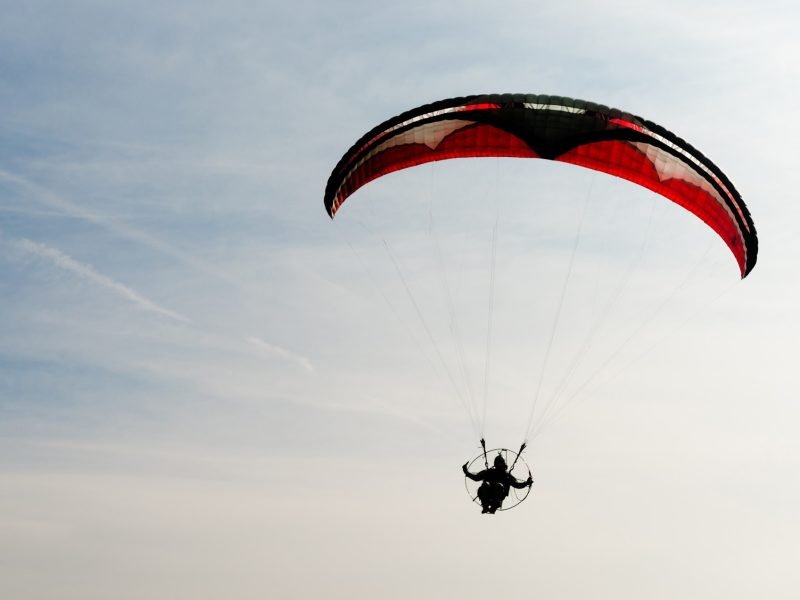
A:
(207, 387)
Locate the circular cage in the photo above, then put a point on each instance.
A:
(521, 471)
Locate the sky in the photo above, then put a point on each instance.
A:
(208, 388)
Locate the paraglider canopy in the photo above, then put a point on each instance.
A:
(555, 128)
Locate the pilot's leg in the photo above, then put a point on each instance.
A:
(485, 496)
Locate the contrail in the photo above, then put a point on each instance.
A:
(88, 273)
(57, 202)
(279, 352)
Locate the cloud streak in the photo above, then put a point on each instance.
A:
(57, 202)
(281, 353)
(88, 273)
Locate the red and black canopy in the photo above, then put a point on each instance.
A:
(555, 128)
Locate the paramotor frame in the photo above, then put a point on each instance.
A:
(515, 496)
